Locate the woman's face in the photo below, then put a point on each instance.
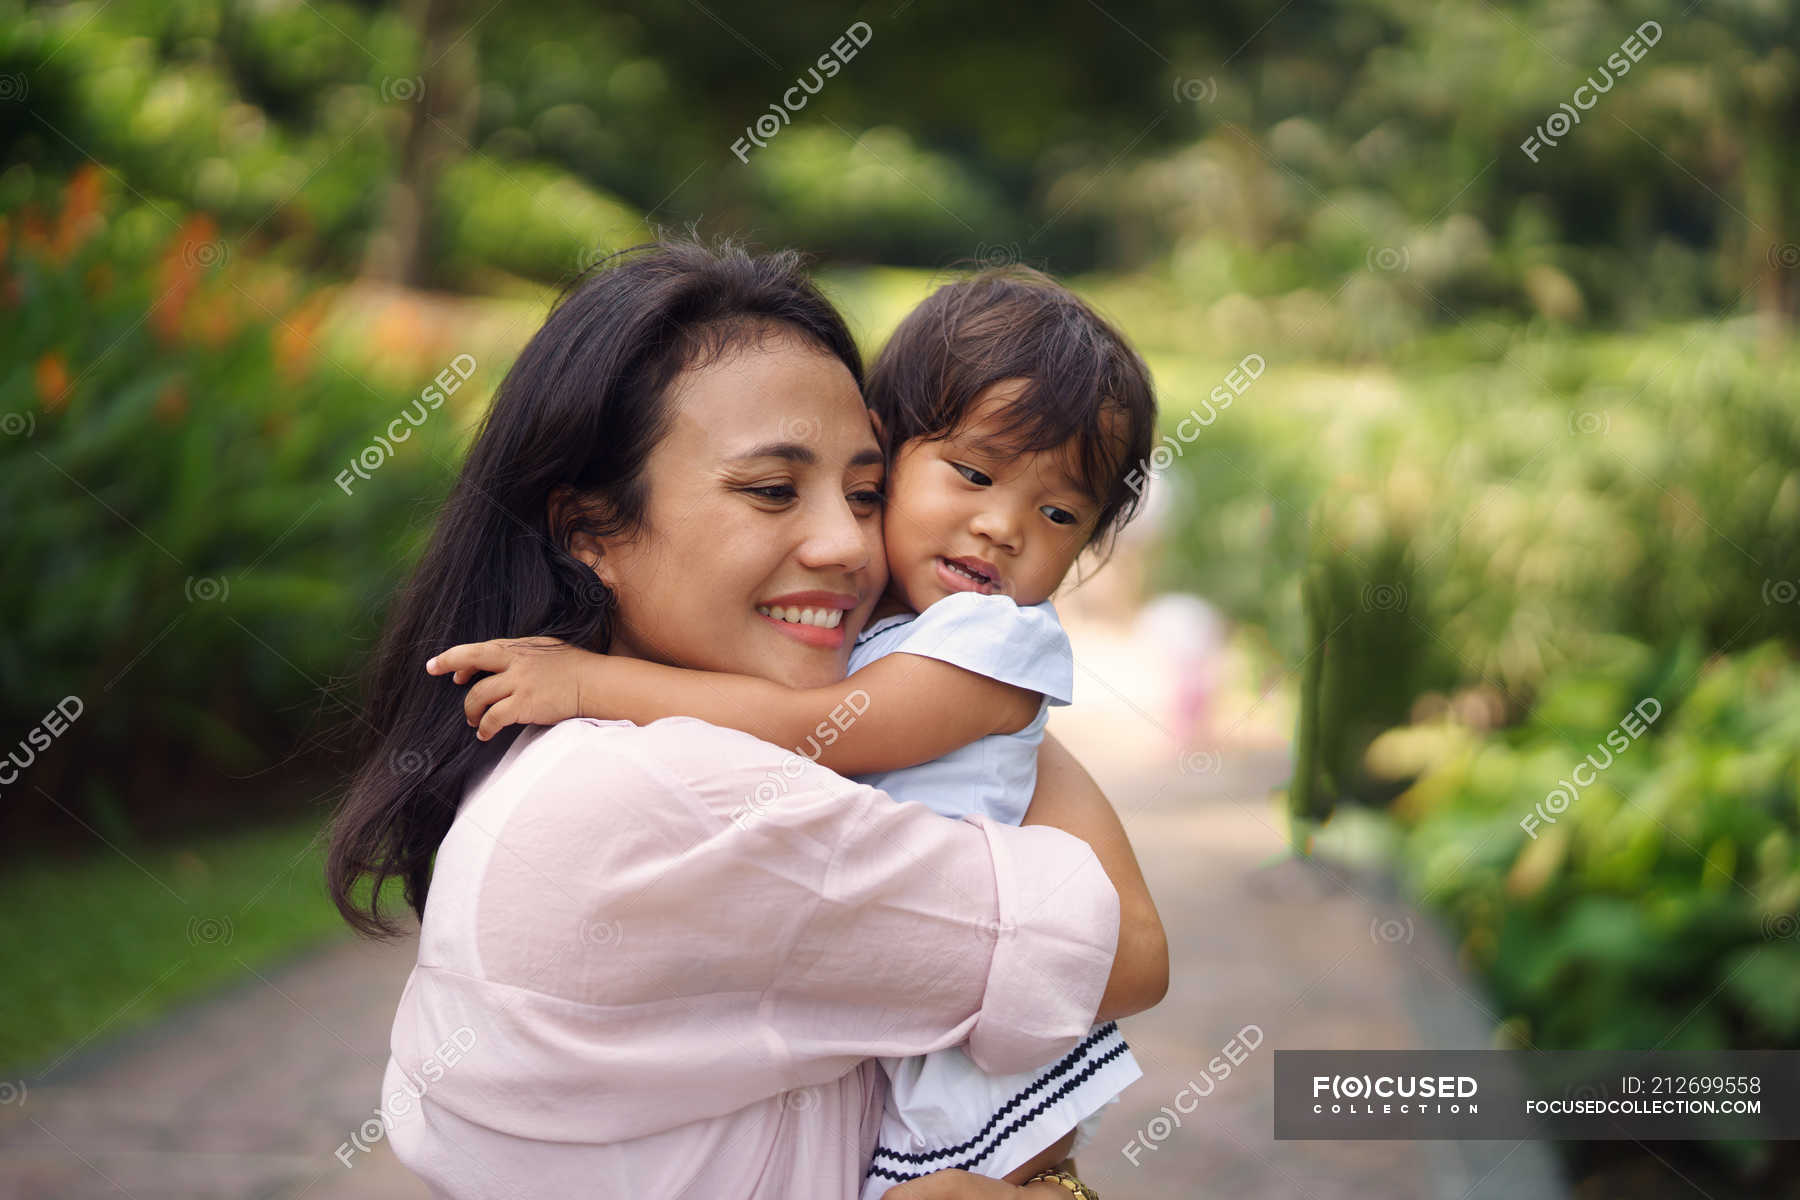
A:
(761, 549)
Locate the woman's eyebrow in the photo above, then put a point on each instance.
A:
(792, 452)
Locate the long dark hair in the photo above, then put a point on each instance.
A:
(581, 409)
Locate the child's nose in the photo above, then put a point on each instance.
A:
(998, 525)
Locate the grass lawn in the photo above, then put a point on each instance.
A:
(95, 946)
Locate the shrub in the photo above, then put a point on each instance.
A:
(1493, 515)
(182, 557)
(1658, 907)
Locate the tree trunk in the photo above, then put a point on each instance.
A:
(1772, 188)
(438, 118)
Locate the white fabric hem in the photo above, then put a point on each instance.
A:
(1005, 1148)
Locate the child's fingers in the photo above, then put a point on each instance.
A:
(469, 658)
(484, 694)
(496, 718)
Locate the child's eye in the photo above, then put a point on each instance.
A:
(1061, 516)
(973, 476)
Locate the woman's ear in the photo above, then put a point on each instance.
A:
(571, 519)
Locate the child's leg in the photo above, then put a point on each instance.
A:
(1046, 1158)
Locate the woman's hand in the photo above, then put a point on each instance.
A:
(533, 681)
(961, 1185)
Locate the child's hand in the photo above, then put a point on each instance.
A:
(534, 681)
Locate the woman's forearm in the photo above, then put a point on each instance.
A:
(1068, 798)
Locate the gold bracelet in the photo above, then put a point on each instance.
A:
(1066, 1180)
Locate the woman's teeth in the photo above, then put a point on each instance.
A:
(824, 618)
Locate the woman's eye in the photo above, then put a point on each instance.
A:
(1061, 516)
(869, 498)
(973, 476)
(775, 492)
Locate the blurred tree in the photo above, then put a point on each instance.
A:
(1248, 150)
(439, 112)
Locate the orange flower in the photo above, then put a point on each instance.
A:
(32, 230)
(52, 382)
(294, 340)
(194, 248)
(218, 322)
(80, 216)
(171, 402)
(398, 331)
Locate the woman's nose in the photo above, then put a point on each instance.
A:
(835, 538)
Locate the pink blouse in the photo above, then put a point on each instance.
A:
(658, 961)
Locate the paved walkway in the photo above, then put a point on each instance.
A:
(248, 1094)
(1310, 954)
(251, 1093)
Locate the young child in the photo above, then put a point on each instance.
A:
(1018, 415)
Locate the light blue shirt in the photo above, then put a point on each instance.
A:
(989, 635)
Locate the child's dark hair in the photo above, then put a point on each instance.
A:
(1085, 380)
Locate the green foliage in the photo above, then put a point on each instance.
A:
(183, 558)
(1493, 513)
(877, 191)
(527, 218)
(155, 92)
(1339, 178)
(100, 945)
(1659, 909)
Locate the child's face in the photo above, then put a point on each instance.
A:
(964, 515)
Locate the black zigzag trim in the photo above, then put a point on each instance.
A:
(1068, 1062)
(1005, 1133)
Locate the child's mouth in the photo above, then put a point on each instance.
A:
(968, 575)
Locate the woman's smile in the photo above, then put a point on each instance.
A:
(812, 618)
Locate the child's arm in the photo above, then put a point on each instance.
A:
(900, 710)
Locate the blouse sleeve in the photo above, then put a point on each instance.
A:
(678, 920)
(993, 636)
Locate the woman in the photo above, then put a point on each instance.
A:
(658, 960)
